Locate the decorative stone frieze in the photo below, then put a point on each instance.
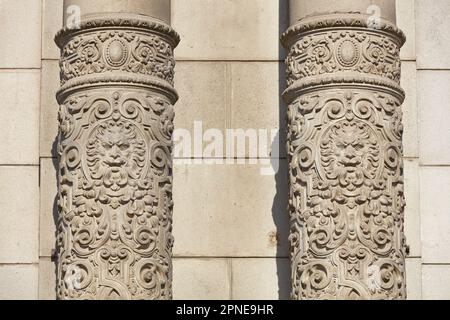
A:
(345, 158)
(115, 168)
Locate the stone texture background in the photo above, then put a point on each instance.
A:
(230, 222)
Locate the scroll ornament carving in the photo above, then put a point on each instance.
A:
(115, 168)
(115, 196)
(105, 51)
(346, 198)
(343, 51)
(344, 142)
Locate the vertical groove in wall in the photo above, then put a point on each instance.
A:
(228, 95)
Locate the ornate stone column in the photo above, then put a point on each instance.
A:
(345, 150)
(115, 140)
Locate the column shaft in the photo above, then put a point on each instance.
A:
(115, 140)
(345, 155)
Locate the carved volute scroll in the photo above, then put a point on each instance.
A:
(115, 168)
(345, 158)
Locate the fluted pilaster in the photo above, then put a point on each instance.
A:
(115, 140)
(345, 150)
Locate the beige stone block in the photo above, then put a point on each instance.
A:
(414, 278)
(229, 30)
(406, 22)
(19, 214)
(432, 38)
(236, 211)
(201, 279)
(49, 108)
(20, 22)
(412, 210)
(202, 87)
(435, 282)
(410, 112)
(300, 9)
(260, 279)
(48, 207)
(155, 8)
(435, 214)
(434, 117)
(52, 22)
(19, 282)
(19, 95)
(47, 279)
(256, 103)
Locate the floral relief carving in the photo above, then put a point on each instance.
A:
(346, 198)
(115, 167)
(115, 196)
(107, 51)
(344, 143)
(343, 51)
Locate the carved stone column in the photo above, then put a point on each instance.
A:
(115, 140)
(345, 150)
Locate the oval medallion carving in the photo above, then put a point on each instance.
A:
(116, 53)
(348, 53)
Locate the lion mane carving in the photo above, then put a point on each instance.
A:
(350, 153)
(115, 152)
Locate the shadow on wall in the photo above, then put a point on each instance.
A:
(280, 213)
(55, 205)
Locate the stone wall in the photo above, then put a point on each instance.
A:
(230, 221)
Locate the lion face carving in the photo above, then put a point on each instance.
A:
(350, 153)
(115, 152)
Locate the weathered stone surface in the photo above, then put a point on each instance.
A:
(432, 38)
(255, 94)
(434, 114)
(410, 110)
(49, 109)
(20, 20)
(19, 213)
(414, 278)
(260, 279)
(256, 100)
(159, 9)
(435, 280)
(435, 214)
(115, 141)
(406, 21)
(201, 279)
(48, 206)
(202, 87)
(19, 94)
(47, 279)
(52, 21)
(238, 211)
(19, 282)
(221, 25)
(412, 210)
(299, 9)
(345, 152)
